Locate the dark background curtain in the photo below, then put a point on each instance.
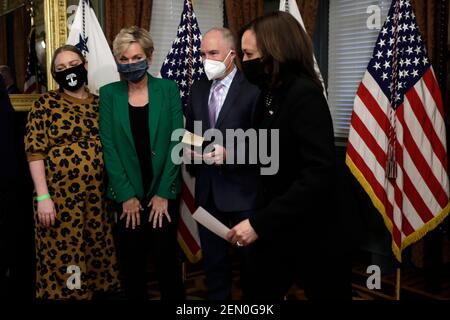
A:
(3, 39)
(120, 14)
(14, 30)
(21, 25)
(241, 12)
(308, 10)
(432, 16)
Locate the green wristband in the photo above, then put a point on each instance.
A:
(43, 197)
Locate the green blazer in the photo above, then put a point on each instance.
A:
(119, 152)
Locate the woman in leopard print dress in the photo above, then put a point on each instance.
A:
(74, 245)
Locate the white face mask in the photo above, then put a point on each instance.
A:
(215, 69)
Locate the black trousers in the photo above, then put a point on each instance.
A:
(135, 247)
(274, 268)
(216, 254)
(17, 254)
(5, 257)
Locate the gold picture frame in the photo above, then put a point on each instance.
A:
(23, 102)
(55, 32)
(55, 19)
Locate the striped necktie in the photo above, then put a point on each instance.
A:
(214, 103)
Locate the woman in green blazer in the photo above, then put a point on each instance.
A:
(137, 118)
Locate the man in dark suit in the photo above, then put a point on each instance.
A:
(8, 176)
(8, 78)
(225, 189)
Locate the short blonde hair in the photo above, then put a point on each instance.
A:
(127, 36)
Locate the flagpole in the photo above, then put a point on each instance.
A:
(391, 166)
(397, 284)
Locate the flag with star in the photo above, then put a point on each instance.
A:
(87, 35)
(184, 65)
(397, 142)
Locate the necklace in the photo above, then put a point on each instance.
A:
(269, 99)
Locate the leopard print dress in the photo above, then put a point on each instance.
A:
(76, 257)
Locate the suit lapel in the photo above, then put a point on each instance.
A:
(155, 101)
(205, 106)
(122, 109)
(229, 99)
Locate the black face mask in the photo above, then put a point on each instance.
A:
(254, 72)
(133, 72)
(73, 78)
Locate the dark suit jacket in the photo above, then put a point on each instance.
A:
(233, 187)
(13, 89)
(297, 202)
(8, 160)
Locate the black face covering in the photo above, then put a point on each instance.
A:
(254, 72)
(133, 72)
(73, 78)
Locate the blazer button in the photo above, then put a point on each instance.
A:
(153, 153)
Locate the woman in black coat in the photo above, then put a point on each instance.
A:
(295, 227)
(8, 175)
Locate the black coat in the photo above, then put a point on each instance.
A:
(297, 203)
(233, 187)
(8, 160)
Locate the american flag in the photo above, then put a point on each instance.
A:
(397, 141)
(184, 65)
(34, 78)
